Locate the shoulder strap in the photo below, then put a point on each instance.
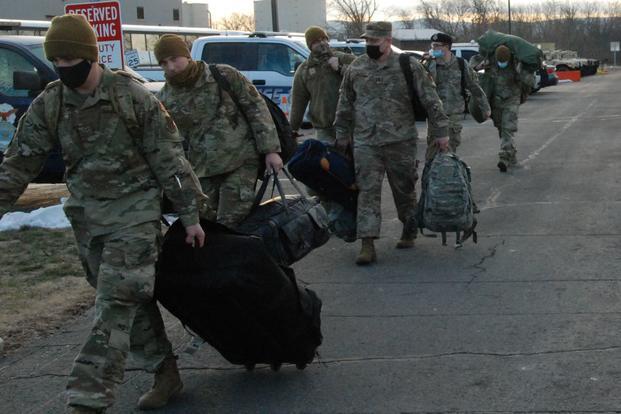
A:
(404, 62)
(123, 104)
(462, 68)
(223, 83)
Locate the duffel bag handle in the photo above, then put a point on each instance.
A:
(274, 175)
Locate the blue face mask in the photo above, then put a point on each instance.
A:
(437, 53)
(503, 65)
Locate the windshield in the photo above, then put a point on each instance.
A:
(38, 51)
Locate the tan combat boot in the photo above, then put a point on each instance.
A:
(367, 252)
(407, 240)
(167, 383)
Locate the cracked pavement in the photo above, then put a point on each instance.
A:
(526, 321)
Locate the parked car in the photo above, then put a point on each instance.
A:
(24, 73)
(357, 47)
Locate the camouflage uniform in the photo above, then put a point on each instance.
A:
(224, 144)
(375, 106)
(317, 82)
(504, 90)
(115, 178)
(447, 77)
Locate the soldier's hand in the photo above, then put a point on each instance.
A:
(195, 233)
(334, 63)
(273, 162)
(442, 144)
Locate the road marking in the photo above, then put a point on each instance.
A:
(553, 138)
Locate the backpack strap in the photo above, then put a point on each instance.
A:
(404, 62)
(462, 69)
(123, 103)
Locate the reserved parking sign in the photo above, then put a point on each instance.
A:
(105, 17)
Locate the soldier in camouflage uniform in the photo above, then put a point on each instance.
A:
(225, 142)
(317, 81)
(446, 73)
(115, 173)
(504, 79)
(375, 106)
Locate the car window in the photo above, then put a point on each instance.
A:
(242, 56)
(279, 58)
(38, 51)
(467, 54)
(10, 62)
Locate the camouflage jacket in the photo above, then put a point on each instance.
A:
(375, 106)
(447, 77)
(317, 82)
(115, 177)
(220, 138)
(503, 86)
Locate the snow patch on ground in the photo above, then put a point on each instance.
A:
(47, 217)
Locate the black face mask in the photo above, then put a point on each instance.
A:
(373, 51)
(74, 76)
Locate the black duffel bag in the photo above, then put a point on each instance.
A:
(291, 226)
(234, 295)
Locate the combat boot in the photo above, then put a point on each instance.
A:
(167, 383)
(503, 165)
(367, 252)
(407, 235)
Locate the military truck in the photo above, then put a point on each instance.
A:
(566, 60)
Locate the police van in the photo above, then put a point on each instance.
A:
(269, 60)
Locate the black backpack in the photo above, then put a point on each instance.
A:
(288, 143)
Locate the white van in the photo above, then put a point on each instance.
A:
(268, 60)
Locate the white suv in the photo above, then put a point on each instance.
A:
(268, 60)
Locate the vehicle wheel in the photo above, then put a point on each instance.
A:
(300, 365)
(275, 366)
(250, 367)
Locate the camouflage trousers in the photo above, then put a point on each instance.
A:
(121, 267)
(231, 195)
(505, 119)
(326, 135)
(455, 127)
(398, 162)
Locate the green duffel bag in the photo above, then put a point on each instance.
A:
(527, 53)
(478, 106)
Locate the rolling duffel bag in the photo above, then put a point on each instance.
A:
(291, 226)
(233, 295)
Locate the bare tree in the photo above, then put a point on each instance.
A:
(403, 15)
(355, 14)
(237, 21)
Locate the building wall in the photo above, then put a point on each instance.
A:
(156, 12)
(195, 15)
(293, 15)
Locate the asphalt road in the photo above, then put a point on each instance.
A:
(528, 319)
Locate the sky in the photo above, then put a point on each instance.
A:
(224, 8)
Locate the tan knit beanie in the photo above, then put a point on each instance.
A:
(313, 34)
(170, 45)
(503, 53)
(71, 35)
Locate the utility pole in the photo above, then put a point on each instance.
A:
(509, 7)
(275, 27)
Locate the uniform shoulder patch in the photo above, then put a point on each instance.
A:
(170, 124)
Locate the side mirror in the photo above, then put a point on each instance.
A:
(27, 80)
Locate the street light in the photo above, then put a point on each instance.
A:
(509, 7)
(275, 27)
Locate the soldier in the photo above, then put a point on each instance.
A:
(452, 83)
(318, 80)
(375, 106)
(226, 133)
(505, 78)
(121, 149)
